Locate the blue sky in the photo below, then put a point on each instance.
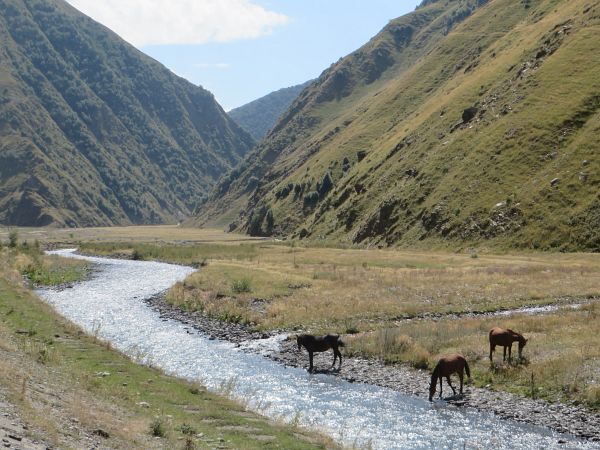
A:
(243, 49)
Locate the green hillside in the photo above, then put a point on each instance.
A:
(259, 116)
(93, 132)
(462, 123)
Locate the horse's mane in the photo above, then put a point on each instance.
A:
(519, 336)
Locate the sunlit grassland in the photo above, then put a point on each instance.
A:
(321, 288)
(331, 289)
(162, 233)
(370, 292)
(562, 355)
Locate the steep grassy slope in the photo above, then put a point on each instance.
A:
(259, 116)
(93, 132)
(455, 124)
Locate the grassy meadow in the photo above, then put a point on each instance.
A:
(371, 295)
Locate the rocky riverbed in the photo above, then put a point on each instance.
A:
(566, 418)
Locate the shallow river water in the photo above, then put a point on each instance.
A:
(111, 306)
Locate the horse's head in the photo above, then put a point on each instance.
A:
(432, 387)
(522, 343)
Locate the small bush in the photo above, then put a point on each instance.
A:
(157, 428)
(311, 199)
(13, 239)
(241, 286)
(186, 429)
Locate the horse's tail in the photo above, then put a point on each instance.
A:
(467, 369)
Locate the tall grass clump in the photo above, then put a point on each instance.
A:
(391, 346)
(13, 239)
(157, 428)
(241, 286)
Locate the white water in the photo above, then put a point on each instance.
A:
(111, 305)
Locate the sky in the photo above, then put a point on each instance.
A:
(241, 50)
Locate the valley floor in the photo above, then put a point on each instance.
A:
(397, 309)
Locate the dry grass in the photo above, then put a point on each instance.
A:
(563, 352)
(370, 292)
(163, 233)
(324, 288)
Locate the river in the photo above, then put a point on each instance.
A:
(111, 306)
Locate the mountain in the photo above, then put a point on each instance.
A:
(462, 123)
(259, 116)
(94, 132)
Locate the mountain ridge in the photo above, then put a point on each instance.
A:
(259, 116)
(94, 132)
(478, 130)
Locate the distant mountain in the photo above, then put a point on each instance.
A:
(94, 132)
(466, 122)
(259, 116)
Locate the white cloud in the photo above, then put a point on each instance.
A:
(212, 65)
(146, 22)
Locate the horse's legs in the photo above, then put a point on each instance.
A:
(440, 386)
(450, 384)
(336, 354)
(310, 358)
(492, 348)
(461, 375)
(510, 352)
(504, 357)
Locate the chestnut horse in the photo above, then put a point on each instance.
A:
(316, 344)
(505, 338)
(445, 367)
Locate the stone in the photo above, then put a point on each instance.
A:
(100, 432)
(555, 181)
(469, 114)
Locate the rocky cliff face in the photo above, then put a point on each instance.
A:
(93, 132)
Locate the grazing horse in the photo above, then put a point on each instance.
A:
(446, 367)
(505, 338)
(321, 344)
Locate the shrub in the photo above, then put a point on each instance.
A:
(270, 221)
(13, 239)
(157, 428)
(311, 199)
(187, 429)
(325, 185)
(241, 286)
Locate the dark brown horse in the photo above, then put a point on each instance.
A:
(316, 344)
(505, 338)
(445, 367)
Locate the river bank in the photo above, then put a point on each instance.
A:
(573, 418)
(63, 388)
